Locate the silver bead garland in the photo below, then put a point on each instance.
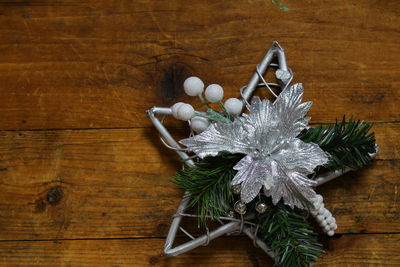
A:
(236, 189)
(261, 207)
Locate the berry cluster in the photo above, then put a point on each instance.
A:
(214, 93)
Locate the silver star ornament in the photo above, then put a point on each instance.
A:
(274, 160)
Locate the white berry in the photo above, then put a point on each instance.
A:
(327, 228)
(324, 223)
(214, 93)
(320, 218)
(282, 74)
(199, 124)
(314, 212)
(321, 210)
(333, 227)
(317, 205)
(318, 199)
(185, 112)
(327, 214)
(193, 86)
(331, 233)
(331, 220)
(233, 106)
(175, 108)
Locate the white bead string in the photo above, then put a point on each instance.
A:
(323, 216)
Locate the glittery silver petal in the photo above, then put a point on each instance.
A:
(219, 137)
(300, 156)
(291, 111)
(261, 124)
(252, 175)
(293, 187)
(242, 166)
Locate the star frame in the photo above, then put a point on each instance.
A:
(229, 225)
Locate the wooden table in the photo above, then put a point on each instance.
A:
(84, 178)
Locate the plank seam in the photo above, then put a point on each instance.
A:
(337, 235)
(148, 127)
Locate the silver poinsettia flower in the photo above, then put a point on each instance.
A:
(275, 159)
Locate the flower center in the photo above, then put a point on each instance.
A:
(267, 151)
(259, 153)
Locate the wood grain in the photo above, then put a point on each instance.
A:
(84, 180)
(116, 183)
(347, 250)
(90, 64)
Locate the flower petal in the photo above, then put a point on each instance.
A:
(261, 124)
(293, 187)
(291, 110)
(251, 175)
(230, 137)
(300, 156)
(242, 167)
(261, 118)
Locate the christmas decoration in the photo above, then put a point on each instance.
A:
(255, 170)
(275, 159)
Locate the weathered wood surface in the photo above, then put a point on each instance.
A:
(348, 250)
(90, 64)
(85, 181)
(116, 183)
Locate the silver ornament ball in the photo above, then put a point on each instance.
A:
(236, 189)
(261, 207)
(230, 213)
(240, 207)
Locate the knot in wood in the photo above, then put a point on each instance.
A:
(54, 195)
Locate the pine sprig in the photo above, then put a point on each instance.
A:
(289, 235)
(348, 143)
(209, 183)
(286, 231)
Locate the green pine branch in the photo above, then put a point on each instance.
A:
(280, 5)
(284, 230)
(209, 183)
(289, 235)
(348, 143)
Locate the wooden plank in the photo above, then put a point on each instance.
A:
(116, 183)
(102, 64)
(350, 250)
